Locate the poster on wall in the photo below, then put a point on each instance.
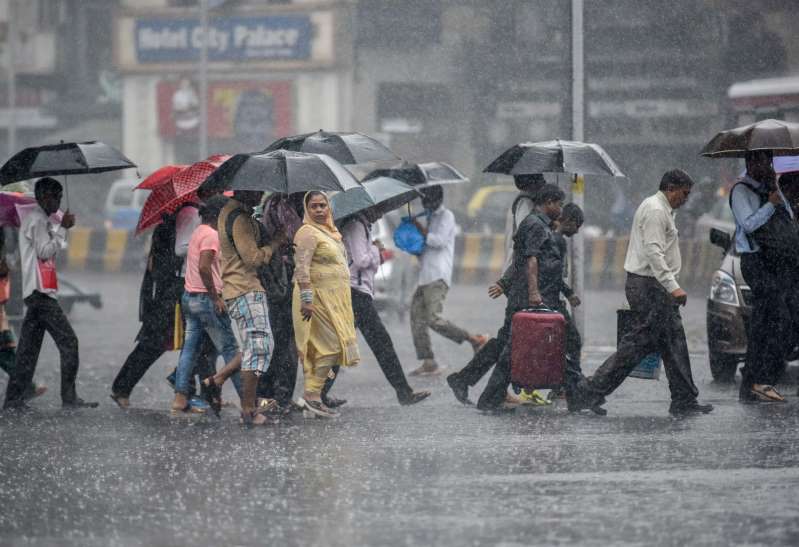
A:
(251, 113)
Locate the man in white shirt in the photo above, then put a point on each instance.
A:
(39, 243)
(435, 277)
(653, 291)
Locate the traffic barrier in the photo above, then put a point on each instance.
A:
(103, 250)
(478, 257)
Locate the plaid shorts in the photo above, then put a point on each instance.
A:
(251, 314)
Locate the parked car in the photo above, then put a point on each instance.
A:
(729, 309)
(123, 206)
(719, 217)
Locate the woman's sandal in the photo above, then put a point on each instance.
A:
(767, 394)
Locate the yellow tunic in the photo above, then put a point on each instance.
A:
(329, 337)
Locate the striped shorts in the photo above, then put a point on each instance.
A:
(251, 314)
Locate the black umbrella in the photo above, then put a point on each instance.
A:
(576, 158)
(346, 148)
(384, 193)
(421, 175)
(781, 138)
(68, 158)
(280, 171)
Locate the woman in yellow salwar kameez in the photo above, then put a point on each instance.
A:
(324, 325)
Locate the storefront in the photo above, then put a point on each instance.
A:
(272, 72)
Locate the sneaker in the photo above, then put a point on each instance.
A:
(79, 403)
(315, 409)
(533, 397)
(461, 391)
(692, 407)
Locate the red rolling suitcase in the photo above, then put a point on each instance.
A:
(538, 349)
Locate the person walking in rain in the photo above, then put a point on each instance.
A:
(754, 200)
(39, 243)
(535, 278)
(324, 324)
(435, 278)
(486, 357)
(364, 260)
(242, 252)
(653, 291)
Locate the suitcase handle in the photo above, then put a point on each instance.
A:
(540, 309)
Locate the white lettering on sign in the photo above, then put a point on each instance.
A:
(218, 40)
(163, 39)
(260, 37)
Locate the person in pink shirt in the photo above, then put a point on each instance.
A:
(202, 304)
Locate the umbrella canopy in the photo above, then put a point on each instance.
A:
(421, 175)
(281, 171)
(781, 138)
(70, 158)
(574, 157)
(345, 148)
(181, 188)
(385, 193)
(159, 177)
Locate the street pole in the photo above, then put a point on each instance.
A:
(204, 80)
(578, 185)
(12, 78)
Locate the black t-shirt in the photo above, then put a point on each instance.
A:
(534, 237)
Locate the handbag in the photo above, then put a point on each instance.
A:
(408, 238)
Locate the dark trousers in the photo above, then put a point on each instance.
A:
(657, 328)
(280, 378)
(763, 352)
(44, 314)
(490, 353)
(497, 387)
(374, 332)
(149, 348)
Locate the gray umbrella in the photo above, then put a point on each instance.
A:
(281, 171)
(777, 136)
(384, 193)
(574, 157)
(421, 175)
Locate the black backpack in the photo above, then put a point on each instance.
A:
(274, 276)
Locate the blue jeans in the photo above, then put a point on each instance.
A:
(201, 317)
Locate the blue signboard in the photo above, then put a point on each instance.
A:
(230, 39)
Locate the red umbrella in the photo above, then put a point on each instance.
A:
(160, 177)
(167, 198)
(9, 215)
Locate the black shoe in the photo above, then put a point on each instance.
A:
(461, 391)
(332, 402)
(79, 403)
(412, 397)
(498, 411)
(692, 407)
(17, 406)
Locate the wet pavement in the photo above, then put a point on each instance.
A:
(434, 474)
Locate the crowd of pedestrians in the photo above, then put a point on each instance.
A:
(289, 290)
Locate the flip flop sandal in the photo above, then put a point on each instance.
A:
(768, 394)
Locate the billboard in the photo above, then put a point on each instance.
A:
(230, 39)
(244, 110)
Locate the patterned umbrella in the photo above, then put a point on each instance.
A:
(167, 198)
(160, 177)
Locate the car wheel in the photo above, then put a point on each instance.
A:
(723, 367)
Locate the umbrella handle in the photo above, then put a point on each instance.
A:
(66, 192)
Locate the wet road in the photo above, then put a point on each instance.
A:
(434, 474)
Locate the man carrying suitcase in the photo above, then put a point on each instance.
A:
(534, 279)
(653, 266)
